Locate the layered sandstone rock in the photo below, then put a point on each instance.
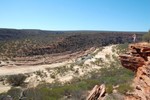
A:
(97, 93)
(137, 60)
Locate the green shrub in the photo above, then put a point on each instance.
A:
(107, 56)
(115, 75)
(53, 92)
(122, 48)
(14, 93)
(39, 73)
(146, 37)
(109, 88)
(124, 88)
(98, 61)
(40, 93)
(16, 80)
(53, 75)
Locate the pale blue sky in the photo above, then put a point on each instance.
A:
(112, 15)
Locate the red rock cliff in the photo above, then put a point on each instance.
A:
(138, 60)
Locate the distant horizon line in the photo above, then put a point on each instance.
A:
(73, 30)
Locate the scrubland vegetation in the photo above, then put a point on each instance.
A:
(114, 77)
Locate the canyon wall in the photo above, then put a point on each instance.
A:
(138, 60)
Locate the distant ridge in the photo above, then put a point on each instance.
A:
(30, 42)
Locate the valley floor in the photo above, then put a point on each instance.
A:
(61, 71)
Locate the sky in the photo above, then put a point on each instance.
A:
(109, 15)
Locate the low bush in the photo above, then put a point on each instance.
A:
(16, 80)
(115, 76)
(124, 88)
(146, 37)
(109, 88)
(122, 48)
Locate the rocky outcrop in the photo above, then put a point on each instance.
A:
(97, 93)
(137, 60)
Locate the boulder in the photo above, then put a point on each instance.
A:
(97, 93)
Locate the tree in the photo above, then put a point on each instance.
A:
(146, 37)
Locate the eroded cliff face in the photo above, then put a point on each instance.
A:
(138, 60)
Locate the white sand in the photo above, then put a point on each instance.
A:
(4, 88)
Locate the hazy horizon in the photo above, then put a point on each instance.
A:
(75, 30)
